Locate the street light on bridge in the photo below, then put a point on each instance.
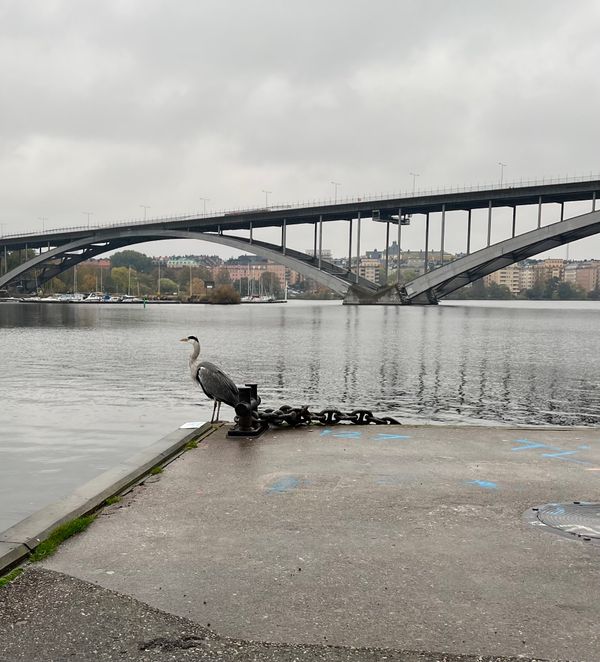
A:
(502, 166)
(145, 208)
(88, 214)
(267, 193)
(414, 175)
(335, 188)
(43, 219)
(205, 200)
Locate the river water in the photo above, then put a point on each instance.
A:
(84, 386)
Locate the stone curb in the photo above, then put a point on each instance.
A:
(19, 540)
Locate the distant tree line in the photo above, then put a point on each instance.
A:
(552, 288)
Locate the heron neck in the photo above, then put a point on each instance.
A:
(195, 353)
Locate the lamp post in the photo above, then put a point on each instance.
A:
(414, 175)
(43, 219)
(205, 200)
(267, 193)
(502, 166)
(88, 214)
(145, 208)
(335, 188)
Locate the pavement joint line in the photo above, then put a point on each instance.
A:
(19, 540)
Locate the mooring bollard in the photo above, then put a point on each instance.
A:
(247, 422)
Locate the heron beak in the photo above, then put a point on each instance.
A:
(183, 340)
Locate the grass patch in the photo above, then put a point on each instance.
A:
(7, 579)
(191, 444)
(156, 470)
(112, 500)
(59, 535)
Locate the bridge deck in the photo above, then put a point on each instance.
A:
(385, 208)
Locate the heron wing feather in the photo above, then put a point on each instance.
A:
(216, 384)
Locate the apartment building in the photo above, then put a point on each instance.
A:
(369, 269)
(511, 277)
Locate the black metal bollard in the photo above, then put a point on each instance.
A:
(247, 423)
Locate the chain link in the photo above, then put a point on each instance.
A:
(295, 416)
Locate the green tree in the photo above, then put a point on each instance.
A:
(168, 286)
(535, 292)
(569, 291)
(495, 291)
(133, 259)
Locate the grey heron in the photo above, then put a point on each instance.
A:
(214, 382)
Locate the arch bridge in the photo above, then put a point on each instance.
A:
(60, 250)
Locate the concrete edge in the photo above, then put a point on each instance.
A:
(19, 540)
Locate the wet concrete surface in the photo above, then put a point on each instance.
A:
(405, 538)
(47, 616)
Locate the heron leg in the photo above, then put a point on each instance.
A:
(212, 420)
(218, 411)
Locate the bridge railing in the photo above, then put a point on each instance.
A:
(416, 193)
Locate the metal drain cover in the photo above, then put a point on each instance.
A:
(580, 520)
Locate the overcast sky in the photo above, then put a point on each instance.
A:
(107, 106)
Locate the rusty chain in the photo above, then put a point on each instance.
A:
(295, 416)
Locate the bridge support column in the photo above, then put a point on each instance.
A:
(469, 232)
(539, 212)
(562, 211)
(387, 252)
(358, 222)
(426, 265)
(350, 245)
(283, 237)
(514, 221)
(399, 244)
(594, 201)
(315, 243)
(250, 236)
(320, 240)
(443, 233)
(489, 234)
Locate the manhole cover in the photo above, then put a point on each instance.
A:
(578, 520)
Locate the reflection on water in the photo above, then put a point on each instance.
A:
(84, 386)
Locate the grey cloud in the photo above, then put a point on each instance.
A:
(110, 105)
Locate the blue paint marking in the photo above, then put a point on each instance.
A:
(561, 456)
(383, 437)
(486, 484)
(282, 485)
(585, 447)
(351, 434)
(556, 454)
(530, 444)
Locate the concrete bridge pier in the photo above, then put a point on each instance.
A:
(391, 295)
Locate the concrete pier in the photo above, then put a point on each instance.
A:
(419, 540)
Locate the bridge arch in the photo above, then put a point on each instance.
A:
(430, 287)
(55, 261)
